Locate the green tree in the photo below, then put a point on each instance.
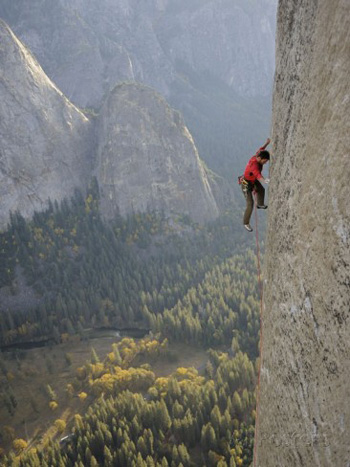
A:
(94, 357)
(51, 393)
(162, 416)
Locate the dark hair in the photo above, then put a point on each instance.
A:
(264, 155)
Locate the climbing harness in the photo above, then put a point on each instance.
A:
(246, 186)
(261, 333)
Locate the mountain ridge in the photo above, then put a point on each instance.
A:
(50, 148)
(43, 153)
(193, 53)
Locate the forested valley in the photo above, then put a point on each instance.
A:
(182, 285)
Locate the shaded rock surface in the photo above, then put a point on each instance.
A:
(305, 396)
(44, 139)
(147, 159)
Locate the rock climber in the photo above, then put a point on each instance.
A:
(251, 181)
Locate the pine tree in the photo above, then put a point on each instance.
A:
(51, 393)
(94, 357)
(184, 455)
(141, 447)
(108, 458)
(163, 418)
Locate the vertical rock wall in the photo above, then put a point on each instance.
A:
(147, 159)
(44, 140)
(305, 381)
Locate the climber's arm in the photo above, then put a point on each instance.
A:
(268, 141)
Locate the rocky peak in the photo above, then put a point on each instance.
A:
(147, 158)
(44, 139)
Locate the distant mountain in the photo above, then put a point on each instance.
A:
(44, 139)
(212, 59)
(138, 147)
(147, 158)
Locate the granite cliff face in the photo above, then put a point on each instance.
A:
(305, 397)
(44, 139)
(147, 159)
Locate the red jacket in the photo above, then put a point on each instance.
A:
(253, 169)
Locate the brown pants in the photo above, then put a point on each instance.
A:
(248, 194)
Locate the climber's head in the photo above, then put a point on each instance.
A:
(263, 157)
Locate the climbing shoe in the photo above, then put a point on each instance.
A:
(247, 227)
(264, 206)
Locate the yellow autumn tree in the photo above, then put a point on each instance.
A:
(60, 425)
(161, 385)
(19, 445)
(82, 396)
(78, 419)
(111, 357)
(53, 405)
